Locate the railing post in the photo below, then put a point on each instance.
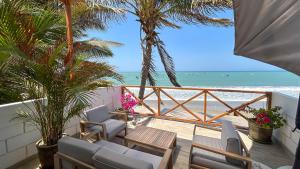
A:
(122, 90)
(205, 105)
(269, 100)
(158, 101)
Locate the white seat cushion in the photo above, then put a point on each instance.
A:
(154, 160)
(231, 142)
(112, 146)
(107, 159)
(209, 159)
(113, 127)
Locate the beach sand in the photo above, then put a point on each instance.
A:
(213, 109)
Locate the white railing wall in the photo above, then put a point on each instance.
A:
(17, 138)
(285, 135)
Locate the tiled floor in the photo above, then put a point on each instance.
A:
(271, 155)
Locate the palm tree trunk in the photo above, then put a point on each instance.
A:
(147, 57)
(68, 13)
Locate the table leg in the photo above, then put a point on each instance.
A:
(170, 165)
(175, 143)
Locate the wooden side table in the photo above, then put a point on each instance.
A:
(154, 139)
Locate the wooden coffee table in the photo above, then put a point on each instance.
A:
(152, 138)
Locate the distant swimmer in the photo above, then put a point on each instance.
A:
(136, 77)
(227, 75)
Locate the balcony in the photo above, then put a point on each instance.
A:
(161, 109)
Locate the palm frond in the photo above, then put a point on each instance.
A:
(94, 48)
(167, 61)
(96, 15)
(198, 11)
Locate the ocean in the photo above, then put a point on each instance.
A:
(280, 81)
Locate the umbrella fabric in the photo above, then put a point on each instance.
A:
(297, 162)
(269, 31)
(298, 115)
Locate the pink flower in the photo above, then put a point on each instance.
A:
(266, 120)
(128, 102)
(261, 115)
(262, 118)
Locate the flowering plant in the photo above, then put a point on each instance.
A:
(128, 102)
(270, 118)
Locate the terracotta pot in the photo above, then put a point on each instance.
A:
(260, 134)
(46, 155)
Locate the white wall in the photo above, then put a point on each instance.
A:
(289, 107)
(110, 97)
(17, 138)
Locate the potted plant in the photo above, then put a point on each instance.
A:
(128, 102)
(58, 97)
(263, 123)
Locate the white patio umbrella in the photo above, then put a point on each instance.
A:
(269, 31)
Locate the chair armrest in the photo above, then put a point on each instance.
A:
(58, 157)
(83, 125)
(165, 159)
(244, 145)
(123, 115)
(222, 152)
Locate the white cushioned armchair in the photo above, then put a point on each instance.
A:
(102, 123)
(229, 152)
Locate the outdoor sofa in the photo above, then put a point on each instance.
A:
(102, 123)
(229, 152)
(75, 153)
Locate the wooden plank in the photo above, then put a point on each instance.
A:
(208, 89)
(77, 163)
(269, 100)
(224, 103)
(217, 117)
(147, 95)
(178, 119)
(144, 104)
(152, 137)
(158, 101)
(222, 152)
(205, 104)
(167, 160)
(247, 103)
(186, 109)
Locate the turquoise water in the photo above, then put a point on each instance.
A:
(222, 79)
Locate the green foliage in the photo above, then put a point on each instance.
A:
(276, 119)
(33, 47)
(10, 88)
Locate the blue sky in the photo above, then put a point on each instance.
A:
(193, 48)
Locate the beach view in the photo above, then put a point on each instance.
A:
(149, 84)
(280, 81)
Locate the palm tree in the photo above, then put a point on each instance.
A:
(83, 15)
(33, 49)
(156, 14)
(14, 32)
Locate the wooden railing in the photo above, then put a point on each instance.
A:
(203, 92)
